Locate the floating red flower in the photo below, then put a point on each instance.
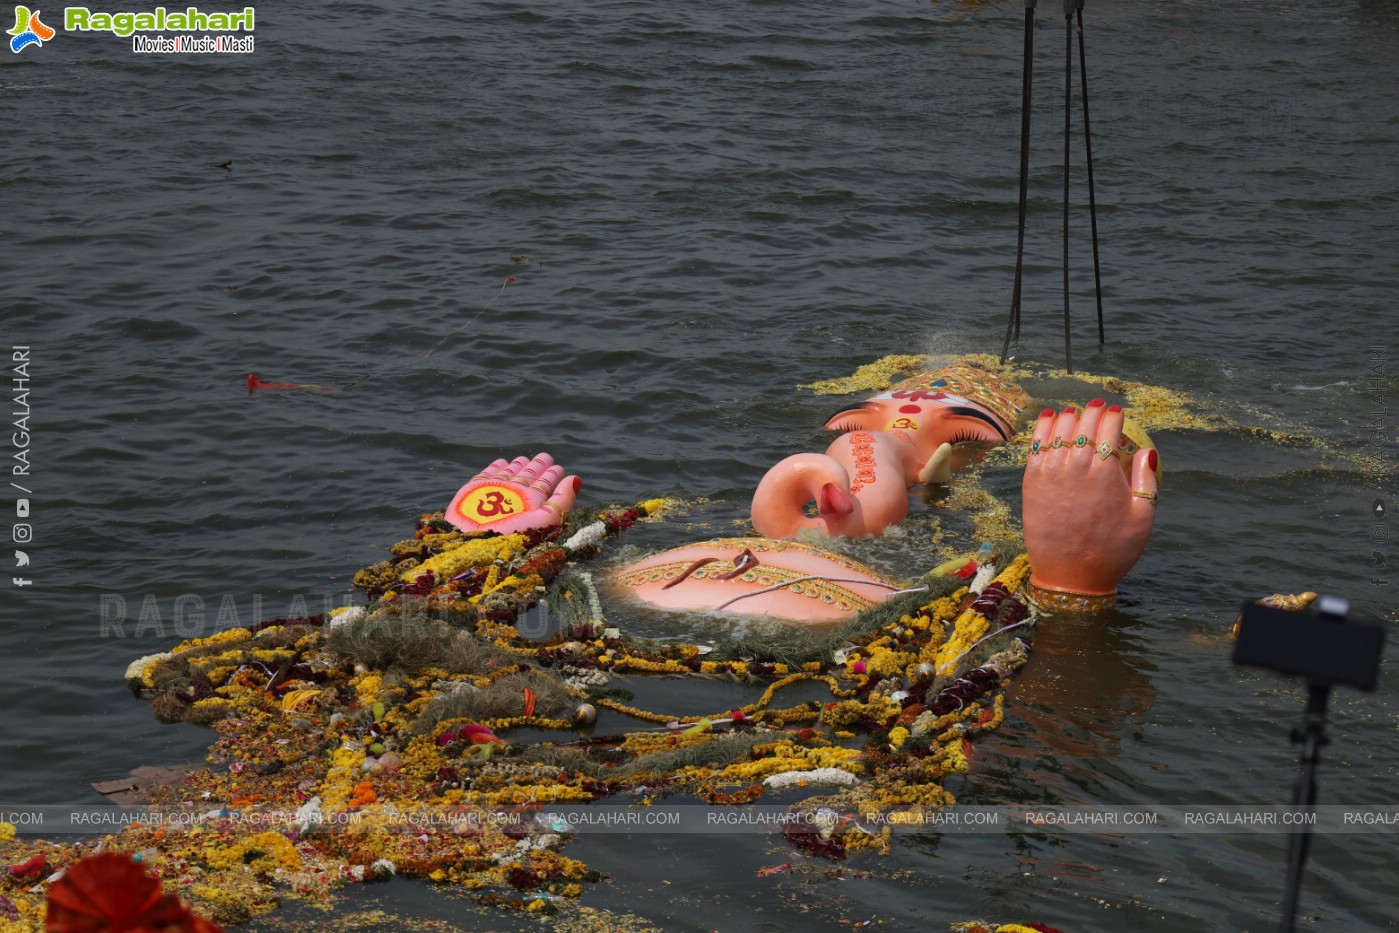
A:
(30, 868)
(109, 893)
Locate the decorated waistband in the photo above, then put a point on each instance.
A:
(721, 572)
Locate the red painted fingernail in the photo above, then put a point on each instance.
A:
(1097, 402)
(577, 484)
(1114, 408)
(1047, 413)
(1151, 460)
(1070, 410)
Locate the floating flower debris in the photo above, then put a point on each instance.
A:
(383, 732)
(981, 926)
(871, 377)
(1154, 408)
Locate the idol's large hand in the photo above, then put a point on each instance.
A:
(1085, 523)
(514, 496)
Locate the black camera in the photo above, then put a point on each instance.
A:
(1325, 648)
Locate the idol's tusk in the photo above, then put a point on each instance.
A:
(938, 469)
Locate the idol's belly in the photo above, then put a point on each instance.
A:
(785, 579)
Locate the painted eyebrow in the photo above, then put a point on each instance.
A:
(848, 410)
(973, 413)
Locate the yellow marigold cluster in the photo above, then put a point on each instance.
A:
(368, 686)
(945, 607)
(857, 838)
(211, 704)
(346, 766)
(518, 585)
(953, 758)
(420, 757)
(749, 772)
(655, 507)
(849, 712)
(218, 638)
(886, 661)
(970, 626)
(789, 756)
(903, 794)
(1015, 575)
(476, 552)
(265, 852)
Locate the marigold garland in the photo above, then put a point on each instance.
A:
(299, 728)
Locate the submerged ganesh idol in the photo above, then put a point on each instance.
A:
(1089, 499)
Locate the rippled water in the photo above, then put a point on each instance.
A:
(718, 203)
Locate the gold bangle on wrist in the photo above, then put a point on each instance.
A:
(1068, 601)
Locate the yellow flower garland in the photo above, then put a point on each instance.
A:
(474, 552)
(293, 725)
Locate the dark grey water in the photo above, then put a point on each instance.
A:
(721, 203)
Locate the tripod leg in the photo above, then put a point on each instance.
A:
(1092, 198)
(1068, 128)
(1312, 735)
(1013, 323)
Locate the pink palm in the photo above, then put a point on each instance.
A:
(514, 496)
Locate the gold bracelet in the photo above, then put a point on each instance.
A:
(1067, 600)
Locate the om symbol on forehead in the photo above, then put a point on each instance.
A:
(918, 395)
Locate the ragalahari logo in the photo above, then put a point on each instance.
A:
(29, 30)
